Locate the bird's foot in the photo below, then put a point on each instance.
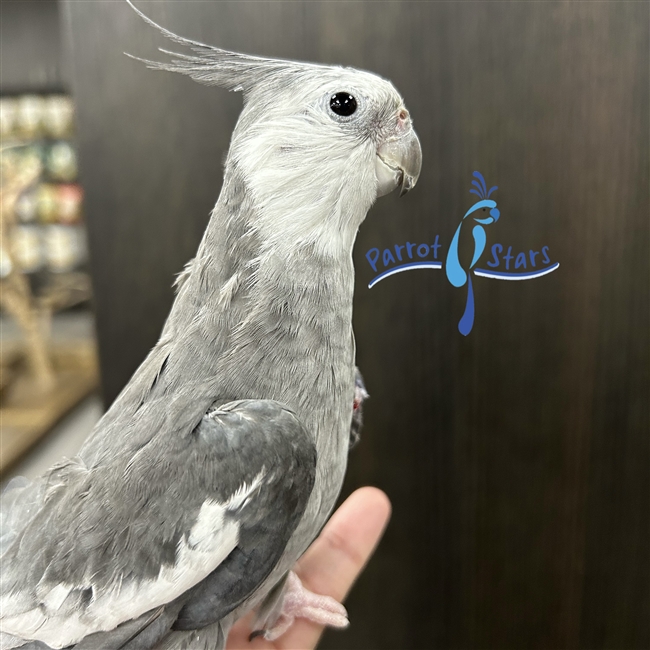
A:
(299, 602)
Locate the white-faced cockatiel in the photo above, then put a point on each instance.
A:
(222, 458)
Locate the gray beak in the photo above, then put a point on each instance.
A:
(398, 164)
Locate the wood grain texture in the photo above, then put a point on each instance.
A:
(517, 458)
(31, 57)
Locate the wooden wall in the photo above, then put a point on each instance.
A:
(517, 458)
(31, 58)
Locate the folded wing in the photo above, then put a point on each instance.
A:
(190, 524)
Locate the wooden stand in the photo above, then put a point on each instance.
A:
(40, 382)
(28, 412)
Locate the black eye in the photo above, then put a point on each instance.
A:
(343, 104)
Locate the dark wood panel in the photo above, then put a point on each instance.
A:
(30, 47)
(517, 458)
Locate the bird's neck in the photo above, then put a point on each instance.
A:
(269, 324)
(264, 298)
(298, 241)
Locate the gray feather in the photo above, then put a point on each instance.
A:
(214, 66)
(19, 503)
(270, 608)
(140, 521)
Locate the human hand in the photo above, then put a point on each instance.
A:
(329, 567)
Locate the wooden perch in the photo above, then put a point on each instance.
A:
(15, 293)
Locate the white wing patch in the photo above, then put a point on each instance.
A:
(209, 542)
(240, 498)
(7, 642)
(55, 597)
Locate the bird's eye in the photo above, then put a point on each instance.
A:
(343, 104)
(483, 209)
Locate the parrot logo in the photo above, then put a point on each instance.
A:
(456, 274)
(409, 256)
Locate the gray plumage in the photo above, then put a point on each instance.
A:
(222, 458)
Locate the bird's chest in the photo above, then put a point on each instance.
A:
(290, 339)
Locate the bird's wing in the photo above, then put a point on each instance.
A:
(206, 515)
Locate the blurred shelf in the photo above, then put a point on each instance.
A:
(27, 413)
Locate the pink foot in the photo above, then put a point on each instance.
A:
(299, 602)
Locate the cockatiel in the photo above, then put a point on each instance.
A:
(222, 458)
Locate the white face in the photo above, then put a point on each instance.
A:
(332, 142)
(344, 111)
(370, 109)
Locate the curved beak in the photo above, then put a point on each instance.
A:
(398, 163)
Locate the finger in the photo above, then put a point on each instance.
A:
(333, 562)
(338, 555)
(330, 565)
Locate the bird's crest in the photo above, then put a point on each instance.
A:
(214, 66)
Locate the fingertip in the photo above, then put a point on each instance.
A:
(377, 499)
(371, 505)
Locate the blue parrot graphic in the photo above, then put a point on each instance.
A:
(456, 274)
